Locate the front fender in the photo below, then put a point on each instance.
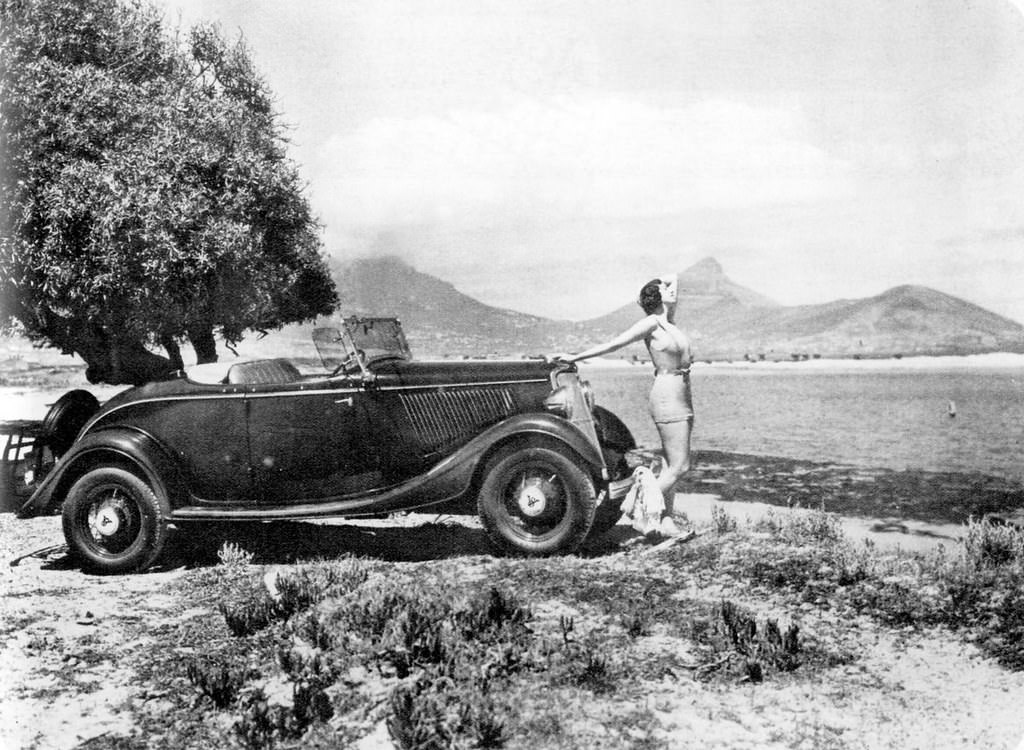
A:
(453, 477)
(119, 446)
(544, 426)
(612, 432)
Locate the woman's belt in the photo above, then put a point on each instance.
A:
(675, 371)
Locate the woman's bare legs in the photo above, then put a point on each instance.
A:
(675, 440)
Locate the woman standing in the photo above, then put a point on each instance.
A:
(671, 404)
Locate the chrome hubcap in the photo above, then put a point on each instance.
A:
(107, 520)
(110, 518)
(533, 496)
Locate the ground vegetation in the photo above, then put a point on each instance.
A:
(774, 632)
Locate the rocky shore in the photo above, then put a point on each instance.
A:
(930, 497)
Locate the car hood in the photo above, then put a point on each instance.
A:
(467, 371)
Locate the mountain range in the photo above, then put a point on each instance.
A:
(725, 320)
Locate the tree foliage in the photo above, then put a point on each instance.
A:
(147, 196)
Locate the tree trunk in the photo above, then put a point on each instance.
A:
(204, 344)
(120, 363)
(173, 351)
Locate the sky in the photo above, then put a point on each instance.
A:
(551, 156)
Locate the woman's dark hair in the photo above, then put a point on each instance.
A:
(650, 296)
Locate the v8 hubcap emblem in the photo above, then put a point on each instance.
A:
(532, 500)
(108, 521)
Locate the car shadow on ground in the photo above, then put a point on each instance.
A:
(286, 542)
(396, 539)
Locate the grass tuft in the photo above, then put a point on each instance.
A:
(232, 555)
(721, 521)
(219, 681)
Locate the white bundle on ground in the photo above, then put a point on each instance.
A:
(644, 503)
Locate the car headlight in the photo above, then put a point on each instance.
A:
(560, 401)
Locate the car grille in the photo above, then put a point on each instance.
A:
(441, 417)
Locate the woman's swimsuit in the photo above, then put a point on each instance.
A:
(670, 399)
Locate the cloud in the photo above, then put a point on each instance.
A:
(553, 160)
(995, 236)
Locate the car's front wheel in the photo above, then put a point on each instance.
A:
(113, 523)
(536, 501)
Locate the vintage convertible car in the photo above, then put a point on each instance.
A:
(373, 433)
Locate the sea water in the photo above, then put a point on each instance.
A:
(943, 417)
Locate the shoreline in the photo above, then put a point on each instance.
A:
(990, 360)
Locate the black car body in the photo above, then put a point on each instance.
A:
(375, 432)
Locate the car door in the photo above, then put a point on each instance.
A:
(402, 453)
(307, 441)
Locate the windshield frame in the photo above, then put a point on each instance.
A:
(363, 341)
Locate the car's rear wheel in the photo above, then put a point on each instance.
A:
(536, 501)
(113, 522)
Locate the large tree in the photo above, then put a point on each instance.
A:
(146, 195)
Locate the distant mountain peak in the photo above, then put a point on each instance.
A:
(702, 277)
(705, 267)
(706, 278)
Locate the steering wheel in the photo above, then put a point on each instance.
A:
(353, 363)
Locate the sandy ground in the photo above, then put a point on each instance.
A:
(68, 639)
(64, 638)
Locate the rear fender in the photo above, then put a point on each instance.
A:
(132, 450)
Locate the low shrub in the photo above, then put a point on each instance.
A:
(250, 614)
(760, 647)
(259, 723)
(219, 681)
(428, 714)
(721, 521)
(590, 668)
(418, 720)
(262, 724)
(987, 544)
(636, 624)
(305, 586)
(493, 612)
(801, 526)
(976, 589)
